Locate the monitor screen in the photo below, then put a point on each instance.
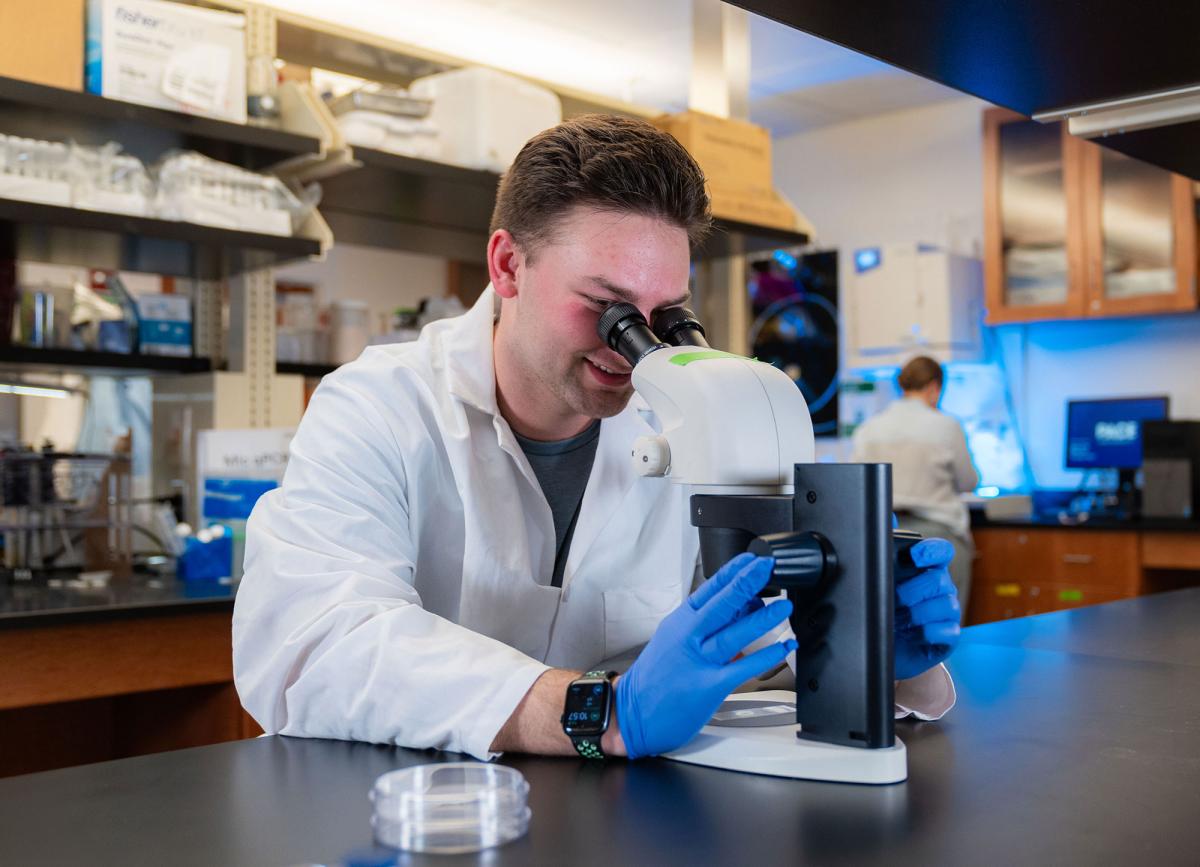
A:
(1103, 434)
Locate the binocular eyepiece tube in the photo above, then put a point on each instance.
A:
(679, 327)
(625, 330)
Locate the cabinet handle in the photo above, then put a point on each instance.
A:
(1078, 559)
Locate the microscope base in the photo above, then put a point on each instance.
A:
(774, 750)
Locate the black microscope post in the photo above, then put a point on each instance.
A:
(835, 553)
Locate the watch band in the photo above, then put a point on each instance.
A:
(589, 746)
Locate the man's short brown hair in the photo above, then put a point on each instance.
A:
(920, 372)
(603, 161)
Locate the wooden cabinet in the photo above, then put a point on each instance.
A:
(1023, 571)
(72, 693)
(1073, 229)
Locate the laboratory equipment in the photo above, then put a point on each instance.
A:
(483, 117)
(1170, 469)
(197, 189)
(1107, 434)
(450, 808)
(739, 433)
(64, 512)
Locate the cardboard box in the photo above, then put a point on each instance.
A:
(735, 155)
(168, 55)
(761, 209)
(43, 42)
(164, 324)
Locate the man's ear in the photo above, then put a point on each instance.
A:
(505, 262)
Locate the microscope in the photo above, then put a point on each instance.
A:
(738, 432)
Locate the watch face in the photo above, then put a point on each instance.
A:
(586, 711)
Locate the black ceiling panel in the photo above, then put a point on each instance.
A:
(1027, 55)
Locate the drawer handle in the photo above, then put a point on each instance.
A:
(1008, 590)
(1070, 595)
(1078, 559)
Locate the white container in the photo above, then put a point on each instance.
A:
(450, 808)
(908, 299)
(168, 55)
(484, 117)
(350, 330)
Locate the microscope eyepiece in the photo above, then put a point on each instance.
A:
(679, 326)
(623, 327)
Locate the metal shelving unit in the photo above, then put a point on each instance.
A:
(28, 358)
(309, 371)
(40, 111)
(150, 244)
(422, 206)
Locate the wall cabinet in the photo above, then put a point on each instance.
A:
(1074, 230)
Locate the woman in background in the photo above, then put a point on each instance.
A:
(930, 463)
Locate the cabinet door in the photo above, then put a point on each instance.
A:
(1101, 561)
(1141, 236)
(1033, 231)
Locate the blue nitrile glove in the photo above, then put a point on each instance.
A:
(688, 668)
(927, 611)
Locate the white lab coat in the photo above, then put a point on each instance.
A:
(396, 586)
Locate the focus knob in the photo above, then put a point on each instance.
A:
(651, 456)
(802, 559)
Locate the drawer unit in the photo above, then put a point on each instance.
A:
(1096, 559)
(1171, 550)
(1023, 571)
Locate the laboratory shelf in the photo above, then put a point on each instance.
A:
(60, 360)
(429, 207)
(37, 110)
(312, 371)
(160, 246)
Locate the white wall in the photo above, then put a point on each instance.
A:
(385, 279)
(917, 176)
(909, 176)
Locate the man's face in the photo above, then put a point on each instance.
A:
(597, 257)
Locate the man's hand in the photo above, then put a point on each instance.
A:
(927, 610)
(688, 668)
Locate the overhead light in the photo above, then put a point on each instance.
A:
(33, 391)
(1119, 116)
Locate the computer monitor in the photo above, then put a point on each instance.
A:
(1107, 434)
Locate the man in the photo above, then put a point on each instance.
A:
(460, 531)
(931, 465)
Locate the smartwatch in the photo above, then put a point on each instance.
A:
(587, 711)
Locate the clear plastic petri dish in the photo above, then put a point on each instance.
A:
(450, 808)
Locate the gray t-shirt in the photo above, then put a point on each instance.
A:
(562, 469)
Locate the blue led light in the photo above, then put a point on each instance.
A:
(866, 259)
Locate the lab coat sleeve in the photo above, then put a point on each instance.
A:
(928, 696)
(330, 638)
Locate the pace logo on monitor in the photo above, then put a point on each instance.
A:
(1115, 433)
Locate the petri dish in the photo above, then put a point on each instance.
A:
(449, 808)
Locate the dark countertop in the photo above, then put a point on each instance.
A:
(1163, 627)
(1075, 740)
(31, 604)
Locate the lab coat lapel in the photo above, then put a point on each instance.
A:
(611, 480)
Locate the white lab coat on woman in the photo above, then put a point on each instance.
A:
(396, 586)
